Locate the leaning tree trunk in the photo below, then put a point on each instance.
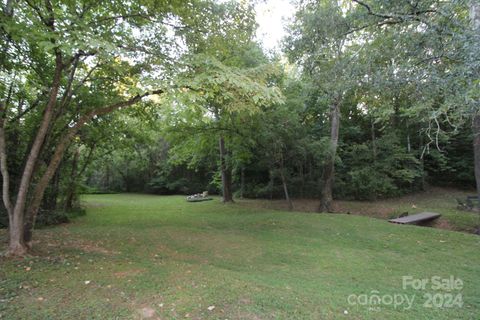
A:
(326, 197)
(226, 173)
(41, 185)
(72, 184)
(17, 244)
(50, 199)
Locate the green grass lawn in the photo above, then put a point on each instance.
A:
(134, 254)
(440, 200)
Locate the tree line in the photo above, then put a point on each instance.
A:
(368, 99)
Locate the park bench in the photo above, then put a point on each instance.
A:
(419, 218)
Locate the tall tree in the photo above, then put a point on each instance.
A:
(233, 47)
(84, 60)
(321, 43)
(220, 98)
(436, 48)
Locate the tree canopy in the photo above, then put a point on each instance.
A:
(368, 99)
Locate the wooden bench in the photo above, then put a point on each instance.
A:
(416, 218)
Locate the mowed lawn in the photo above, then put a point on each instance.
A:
(143, 256)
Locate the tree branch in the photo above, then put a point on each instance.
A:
(38, 11)
(395, 18)
(61, 147)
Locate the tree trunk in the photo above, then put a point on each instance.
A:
(284, 183)
(70, 197)
(242, 182)
(50, 201)
(475, 21)
(302, 179)
(476, 152)
(409, 146)
(15, 240)
(106, 180)
(39, 190)
(226, 173)
(4, 167)
(475, 14)
(374, 153)
(17, 245)
(271, 182)
(326, 197)
(396, 113)
(422, 162)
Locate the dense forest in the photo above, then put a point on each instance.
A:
(367, 100)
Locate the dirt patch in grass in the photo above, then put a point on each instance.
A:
(443, 224)
(376, 210)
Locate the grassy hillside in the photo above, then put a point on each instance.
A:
(440, 200)
(143, 256)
